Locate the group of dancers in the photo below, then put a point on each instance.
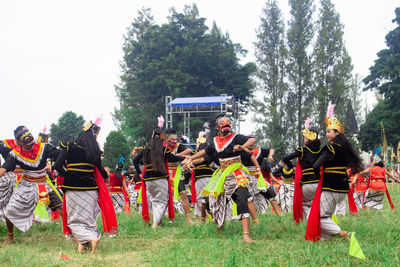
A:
(229, 178)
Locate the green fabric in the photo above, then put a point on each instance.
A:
(41, 211)
(234, 209)
(176, 183)
(261, 184)
(335, 219)
(355, 249)
(207, 190)
(53, 187)
(219, 187)
(139, 199)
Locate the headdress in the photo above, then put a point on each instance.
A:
(94, 126)
(43, 137)
(159, 130)
(308, 133)
(332, 122)
(201, 139)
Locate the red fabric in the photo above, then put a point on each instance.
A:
(66, 229)
(193, 187)
(266, 176)
(115, 183)
(313, 232)
(377, 172)
(171, 211)
(54, 216)
(298, 195)
(105, 203)
(127, 207)
(145, 207)
(60, 181)
(352, 204)
(369, 180)
(389, 199)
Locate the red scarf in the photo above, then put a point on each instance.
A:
(298, 195)
(171, 211)
(313, 232)
(193, 187)
(145, 206)
(352, 203)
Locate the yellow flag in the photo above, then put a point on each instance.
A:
(234, 209)
(335, 219)
(355, 249)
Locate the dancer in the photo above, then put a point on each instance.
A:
(31, 157)
(118, 188)
(175, 171)
(155, 176)
(376, 187)
(270, 194)
(81, 186)
(359, 187)
(334, 184)
(307, 182)
(229, 149)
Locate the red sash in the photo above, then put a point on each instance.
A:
(352, 204)
(298, 195)
(193, 187)
(145, 206)
(313, 232)
(171, 211)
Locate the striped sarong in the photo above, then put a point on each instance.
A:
(358, 198)
(200, 184)
(158, 191)
(118, 201)
(374, 199)
(285, 197)
(260, 202)
(329, 201)
(7, 185)
(82, 211)
(308, 196)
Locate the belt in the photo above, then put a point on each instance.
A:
(40, 179)
(224, 163)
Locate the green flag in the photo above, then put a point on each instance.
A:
(355, 249)
(335, 219)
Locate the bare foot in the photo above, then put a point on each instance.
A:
(280, 214)
(81, 248)
(203, 220)
(247, 239)
(94, 242)
(155, 225)
(221, 229)
(256, 222)
(344, 234)
(9, 239)
(189, 220)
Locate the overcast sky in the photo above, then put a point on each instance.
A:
(64, 55)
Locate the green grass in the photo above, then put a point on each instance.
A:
(280, 242)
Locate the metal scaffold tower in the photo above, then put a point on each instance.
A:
(191, 105)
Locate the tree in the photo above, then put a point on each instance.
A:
(68, 127)
(385, 77)
(115, 147)
(271, 54)
(299, 37)
(333, 81)
(181, 58)
(370, 132)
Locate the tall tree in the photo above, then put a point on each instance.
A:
(271, 54)
(299, 37)
(68, 127)
(181, 58)
(115, 147)
(385, 77)
(333, 81)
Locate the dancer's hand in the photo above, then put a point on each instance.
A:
(238, 148)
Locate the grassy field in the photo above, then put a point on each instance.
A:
(280, 242)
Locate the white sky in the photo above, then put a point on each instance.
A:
(64, 55)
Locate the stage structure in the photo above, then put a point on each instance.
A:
(199, 105)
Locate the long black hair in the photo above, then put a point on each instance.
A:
(352, 156)
(154, 152)
(87, 139)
